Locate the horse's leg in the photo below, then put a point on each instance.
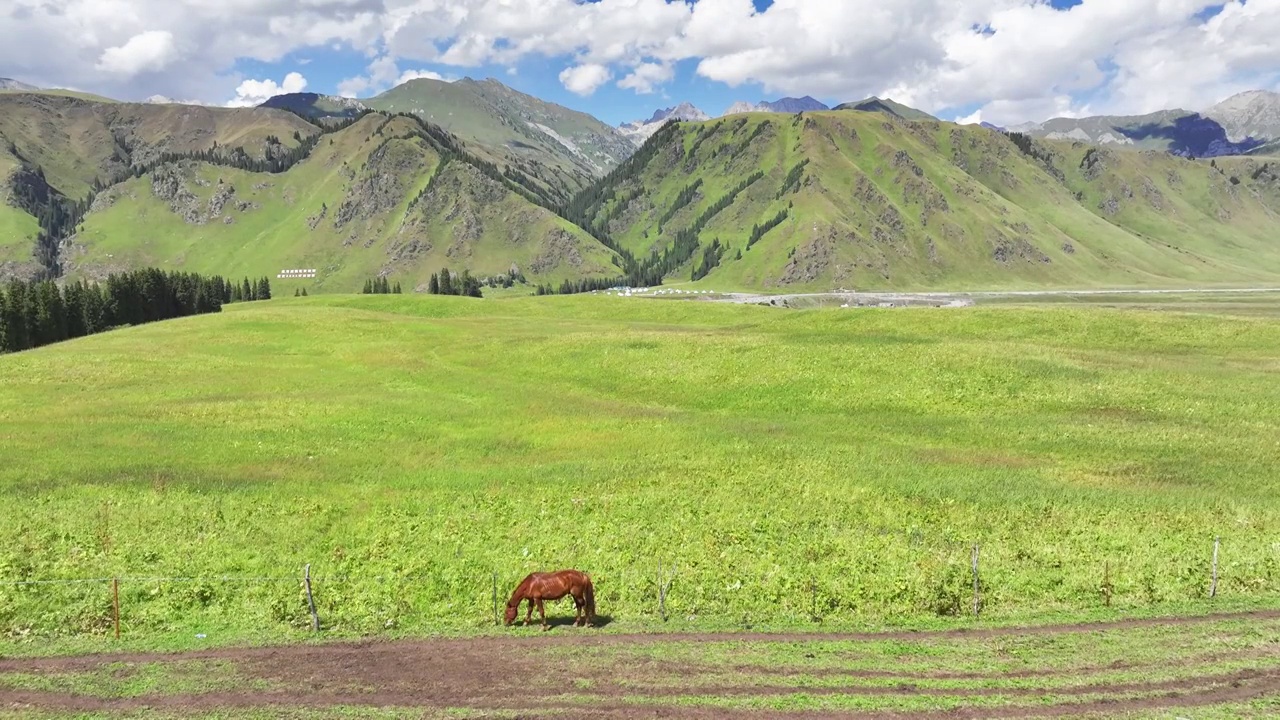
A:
(528, 618)
(579, 609)
(543, 612)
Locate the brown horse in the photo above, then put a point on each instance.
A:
(538, 587)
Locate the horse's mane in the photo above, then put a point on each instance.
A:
(524, 585)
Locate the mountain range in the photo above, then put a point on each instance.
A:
(641, 130)
(474, 175)
(1236, 126)
(785, 105)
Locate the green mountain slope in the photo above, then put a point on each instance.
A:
(17, 228)
(887, 106)
(378, 197)
(76, 140)
(517, 128)
(871, 202)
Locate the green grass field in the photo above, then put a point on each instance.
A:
(788, 463)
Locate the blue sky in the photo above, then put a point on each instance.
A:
(1005, 61)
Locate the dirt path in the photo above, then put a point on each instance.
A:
(541, 675)
(941, 298)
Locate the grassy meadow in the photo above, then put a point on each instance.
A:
(790, 464)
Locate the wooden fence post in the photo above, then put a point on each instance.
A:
(977, 606)
(115, 604)
(662, 611)
(1213, 587)
(311, 603)
(664, 587)
(813, 598)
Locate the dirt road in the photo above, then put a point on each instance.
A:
(1223, 661)
(945, 298)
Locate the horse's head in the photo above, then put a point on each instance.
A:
(511, 614)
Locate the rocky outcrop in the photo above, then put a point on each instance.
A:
(560, 248)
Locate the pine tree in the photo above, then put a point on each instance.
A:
(95, 319)
(304, 292)
(50, 318)
(396, 290)
(265, 293)
(16, 317)
(368, 287)
(446, 282)
(469, 286)
(433, 285)
(246, 291)
(297, 292)
(73, 300)
(4, 323)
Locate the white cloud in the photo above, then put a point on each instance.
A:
(256, 92)
(408, 75)
(149, 51)
(585, 79)
(646, 77)
(353, 87)
(1104, 55)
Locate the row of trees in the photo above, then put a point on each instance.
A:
(758, 231)
(40, 312)
(246, 291)
(583, 285)
(792, 180)
(656, 266)
(686, 196)
(446, 283)
(711, 255)
(380, 286)
(447, 144)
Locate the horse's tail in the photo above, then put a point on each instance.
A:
(589, 594)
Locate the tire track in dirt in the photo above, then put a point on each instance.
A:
(1025, 674)
(512, 674)
(1231, 689)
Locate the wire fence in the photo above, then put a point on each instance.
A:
(968, 585)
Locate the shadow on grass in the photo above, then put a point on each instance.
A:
(566, 622)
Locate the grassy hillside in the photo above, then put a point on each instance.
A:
(17, 228)
(518, 128)
(887, 106)
(878, 203)
(847, 459)
(372, 199)
(76, 140)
